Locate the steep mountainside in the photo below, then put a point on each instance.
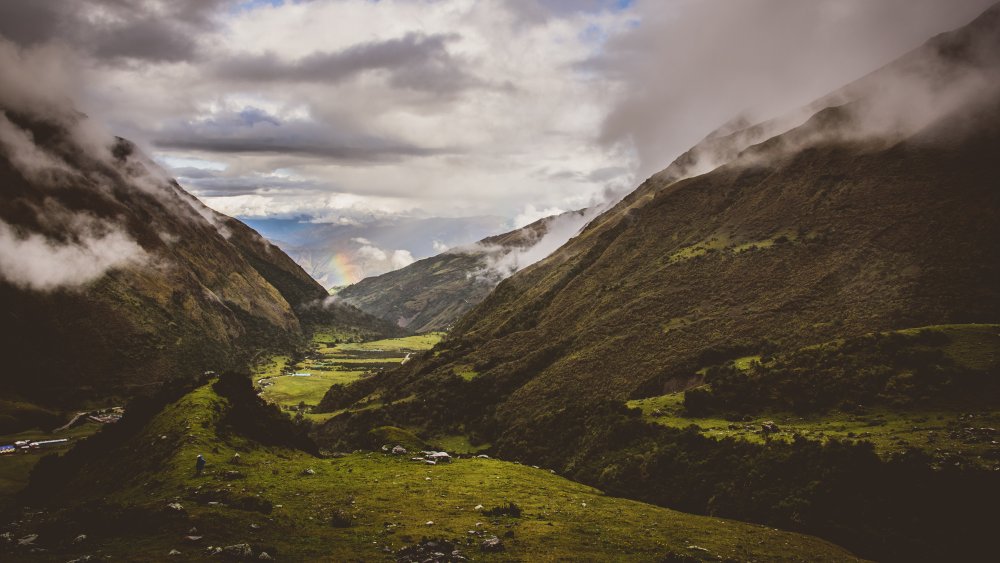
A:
(113, 278)
(433, 293)
(877, 211)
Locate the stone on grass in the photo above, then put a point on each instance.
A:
(491, 544)
(239, 550)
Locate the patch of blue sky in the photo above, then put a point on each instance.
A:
(248, 5)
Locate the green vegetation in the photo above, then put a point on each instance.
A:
(954, 366)
(15, 468)
(297, 506)
(943, 434)
(334, 360)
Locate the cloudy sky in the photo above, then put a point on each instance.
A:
(342, 110)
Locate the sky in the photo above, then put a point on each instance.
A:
(355, 111)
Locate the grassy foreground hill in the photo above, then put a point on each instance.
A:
(431, 294)
(870, 214)
(130, 493)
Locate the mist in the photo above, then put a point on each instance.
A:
(33, 261)
(691, 66)
(502, 261)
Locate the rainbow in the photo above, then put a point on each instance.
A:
(342, 271)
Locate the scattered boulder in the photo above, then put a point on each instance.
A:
(491, 544)
(176, 506)
(174, 553)
(430, 551)
(80, 539)
(28, 540)
(239, 551)
(769, 427)
(264, 556)
(438, 457)
(398, 450)
(309, 471)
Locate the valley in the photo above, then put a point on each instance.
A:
(299, 386)
(783, 346)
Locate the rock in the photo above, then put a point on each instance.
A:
(83, 559)
(483, 456)
(440, 457)
(769, 427)
(240, 551)
(28, 539)
(193, 538)
(429, 462)
(213, 550)
(174, 553)
(175, 506)
(264, 555)
(398, 450)
(417, 459)
(479, 507)
(429, 523)
(309, 471)
(385, 447)
(491, 544)
(80, 539)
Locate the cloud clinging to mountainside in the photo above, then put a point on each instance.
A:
(355, 111)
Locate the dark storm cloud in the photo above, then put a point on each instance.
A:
(113, 30)
(254, 131)
(692, 65)
(414, 61)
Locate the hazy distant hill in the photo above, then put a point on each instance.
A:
(114, 278)
(873, 209)
(332, 252)
(433, 293)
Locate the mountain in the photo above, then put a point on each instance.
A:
(347, 250)
(433, 293)
(871, 210)
(113, 279)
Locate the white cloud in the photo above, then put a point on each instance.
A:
(400, 259)
(369, 253)
(529, 215)
(34, 262)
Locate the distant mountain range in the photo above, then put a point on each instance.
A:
(338, 254)
(433, 293)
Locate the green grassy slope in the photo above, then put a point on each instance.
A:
(807, 237)
(359, 506)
